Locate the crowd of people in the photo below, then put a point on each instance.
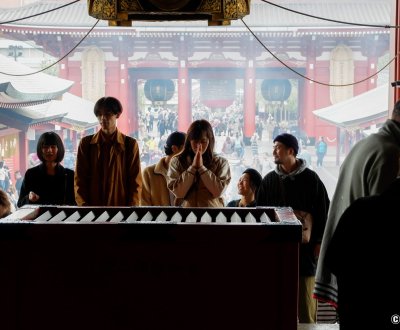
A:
(110, 171)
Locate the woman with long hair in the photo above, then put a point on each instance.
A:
(198, 175)
(49, 182)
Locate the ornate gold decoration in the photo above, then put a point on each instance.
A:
(130, 5)
(235, 9)
(243, 7)
(123, 12)
(103, 9)
(210, 6)
(230, 9)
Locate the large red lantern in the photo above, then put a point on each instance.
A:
(276, 89)
(159, 90)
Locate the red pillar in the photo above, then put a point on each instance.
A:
(308, 118)
(124, 120)
(133, 107)
(249, 100)
(184, 98)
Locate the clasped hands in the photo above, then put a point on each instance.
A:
(198, 157)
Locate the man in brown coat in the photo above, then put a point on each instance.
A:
(155, 191)
(108, 165)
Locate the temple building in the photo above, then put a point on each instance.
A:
(315, 57)
(32, 104)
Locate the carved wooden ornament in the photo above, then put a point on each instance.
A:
(123, 12)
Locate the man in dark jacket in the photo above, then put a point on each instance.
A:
(369, 169)
(294, 184)
(364, 249)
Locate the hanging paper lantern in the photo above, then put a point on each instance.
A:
(159, 90)
(216, 93)
(276, 89)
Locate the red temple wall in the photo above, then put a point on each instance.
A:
(117, 85)
(75, 74)
(318, 96)
(361, 71)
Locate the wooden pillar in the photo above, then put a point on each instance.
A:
(249, 100)
(184, 97)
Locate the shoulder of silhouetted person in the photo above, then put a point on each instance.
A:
(5, 204)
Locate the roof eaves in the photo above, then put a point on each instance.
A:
(37, 98)
(57, 117)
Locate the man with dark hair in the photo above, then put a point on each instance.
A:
(293, 184)
(155, 191)
(370, 167)
(108, 165)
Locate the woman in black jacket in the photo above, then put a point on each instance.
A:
(48, 183)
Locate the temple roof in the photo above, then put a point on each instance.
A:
(31, 88)
(79, 112)
(364, 108)
(40, 98)
(32, 115)
(261, 15)
(71, 110)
